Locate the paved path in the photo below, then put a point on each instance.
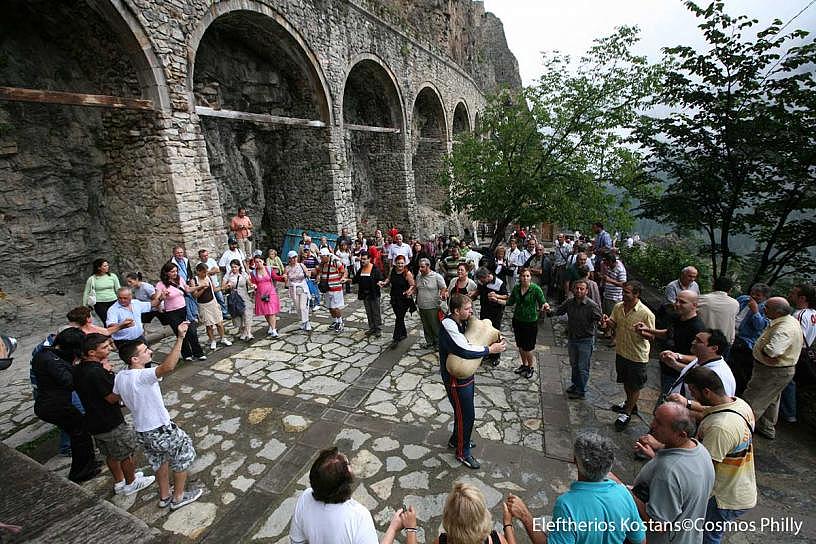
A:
(259, 413)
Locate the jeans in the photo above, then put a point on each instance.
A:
(219, 296)
(460, 395)
(580, 356)
(718, 515)
(190, 347)
(71, 421)
(787, 404)
(65, 440)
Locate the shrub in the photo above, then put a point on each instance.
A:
(658, 261)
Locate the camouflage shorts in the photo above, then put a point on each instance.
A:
(168, 444)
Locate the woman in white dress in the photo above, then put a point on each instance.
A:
(235, 278)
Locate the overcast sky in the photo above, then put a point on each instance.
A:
(533, 26)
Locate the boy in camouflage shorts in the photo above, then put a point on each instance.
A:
(166, 446)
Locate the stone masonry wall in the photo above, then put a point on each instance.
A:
(152, 171)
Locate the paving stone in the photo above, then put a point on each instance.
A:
(365, 464)
(272, 449)
(362, 496)
(412, 451)
(384, 443)
(383, 488)
(395, 464)
(192, 520)
(357, 438)
(414, 480)
(278, 520)
(295, 423)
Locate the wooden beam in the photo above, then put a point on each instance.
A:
(423, 139)
(19, 94)
(258, 117)
(368, 128)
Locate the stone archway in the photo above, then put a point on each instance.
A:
(461, 120)
(373, 119)
(76, 176)
(430, 147)
(265, 115)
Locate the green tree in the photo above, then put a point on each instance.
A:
(735, 153)
(551, 151)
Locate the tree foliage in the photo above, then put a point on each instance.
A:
(550, 151)
(736, 152)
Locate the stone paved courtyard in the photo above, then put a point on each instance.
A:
(259, 412)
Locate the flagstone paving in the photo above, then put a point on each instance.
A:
(259, 412)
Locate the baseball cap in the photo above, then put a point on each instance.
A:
(257, 253)
(324, 252)
(291, 254)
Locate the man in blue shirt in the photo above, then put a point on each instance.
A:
(750, 323)
(128, 313)
(596, 510)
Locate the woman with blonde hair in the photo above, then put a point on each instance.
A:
(467, 520)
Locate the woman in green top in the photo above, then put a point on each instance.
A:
(103, 285)
(274, 262)
(528, 299)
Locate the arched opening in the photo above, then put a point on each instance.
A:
(373, 119)
(430, 146)
(74, 177)
(461, 120)
(264, 114)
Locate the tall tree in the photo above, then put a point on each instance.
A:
(550, 151)
(735, 152)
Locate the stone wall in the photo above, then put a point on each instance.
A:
(80, 183)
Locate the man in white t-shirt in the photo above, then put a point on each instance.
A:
(232, 253)
(165, 445)
(213, 270)
(399, 248)
(326, 514)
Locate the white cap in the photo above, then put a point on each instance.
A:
(324, 252)
(291, 254)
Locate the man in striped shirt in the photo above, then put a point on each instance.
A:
(331, 274)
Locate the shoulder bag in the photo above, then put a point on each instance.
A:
(92, 292)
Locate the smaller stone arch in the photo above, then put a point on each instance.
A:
(371, 94)
(373, 116)
(429, 144)
(429, 115)
(461, 119)
(300, 52)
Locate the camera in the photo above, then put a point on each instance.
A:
(265, 298)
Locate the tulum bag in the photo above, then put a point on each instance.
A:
(92, 293)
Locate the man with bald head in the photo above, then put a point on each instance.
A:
(683, 326)
(676, 484)
(775, 352)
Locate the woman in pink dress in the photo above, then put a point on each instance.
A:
(267, 303)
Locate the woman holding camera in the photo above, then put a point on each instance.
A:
(267, 303)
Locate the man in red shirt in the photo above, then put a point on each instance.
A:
(241, 226)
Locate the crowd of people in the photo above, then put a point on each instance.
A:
(727, 369)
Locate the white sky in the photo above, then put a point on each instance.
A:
(533, 26)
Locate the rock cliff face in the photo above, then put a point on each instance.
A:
(463, 31)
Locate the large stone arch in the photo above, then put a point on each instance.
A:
(374, 120)
(266, 114)
(429, 146)
(76, 176)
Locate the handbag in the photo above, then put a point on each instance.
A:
(235, 304)
(323, 284)
(92, 293)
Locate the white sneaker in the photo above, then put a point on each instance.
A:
(213, 345)
(138, 483)
(226, 342)
(187, 498)
(269, 331)
(274, 333)
(308, 326)
(119, 486)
